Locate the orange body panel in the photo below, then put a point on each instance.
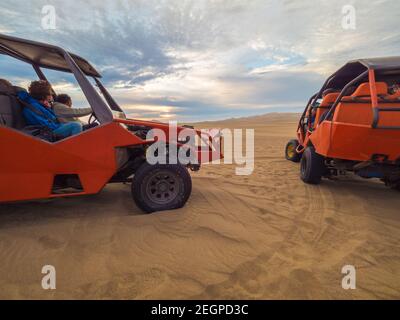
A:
(350, 135)
(28, 165)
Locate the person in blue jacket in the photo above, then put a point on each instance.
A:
(40, 113)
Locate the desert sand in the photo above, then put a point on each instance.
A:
(263, 236)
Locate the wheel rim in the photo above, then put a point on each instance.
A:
(162, 187)
(290, 151)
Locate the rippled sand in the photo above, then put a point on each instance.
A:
(262, 236)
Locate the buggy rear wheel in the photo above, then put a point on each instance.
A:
(161, 187)
(290, 151)
(312, 166)
(394, 185)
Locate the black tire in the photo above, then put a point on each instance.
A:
(290, 151)
(161, 187)
(312, 166)
(394, 185)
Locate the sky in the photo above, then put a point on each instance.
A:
(205, 60)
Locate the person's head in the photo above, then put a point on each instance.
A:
(41, 91)
(64, 99)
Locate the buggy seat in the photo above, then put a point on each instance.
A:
(10, 108)
(364, 90)
(325, 105)
(357, 108)
(11, 113)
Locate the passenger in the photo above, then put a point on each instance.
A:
(38, 110)
(64, 111)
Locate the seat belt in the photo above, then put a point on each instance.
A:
(24, 104)
(33, 109)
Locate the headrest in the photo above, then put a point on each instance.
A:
(363, 89)
(19, 89)
(330, 98)
(6, 87)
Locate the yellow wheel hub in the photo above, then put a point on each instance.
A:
(291, 151)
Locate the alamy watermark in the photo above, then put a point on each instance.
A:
(349, 18)
(191, 147)
(49, 17)
(49, 280)
(349, 280)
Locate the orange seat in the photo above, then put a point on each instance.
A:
(359, 111)
(355, 112)
(364, 90)
(326, 103)
(329, 99)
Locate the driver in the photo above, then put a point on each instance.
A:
(65, 113)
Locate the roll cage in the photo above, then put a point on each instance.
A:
(351, 74)
(41, 55)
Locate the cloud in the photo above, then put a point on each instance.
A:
(208, 59)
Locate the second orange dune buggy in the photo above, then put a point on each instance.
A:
(352, 124)
(112, 152)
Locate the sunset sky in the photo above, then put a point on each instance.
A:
(204, 60)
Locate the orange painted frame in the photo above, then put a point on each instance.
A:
(28, 164)
(352, 141)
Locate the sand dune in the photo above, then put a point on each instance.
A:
(262, 236)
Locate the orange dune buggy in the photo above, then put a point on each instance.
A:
(352, 124)
(112, 152)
